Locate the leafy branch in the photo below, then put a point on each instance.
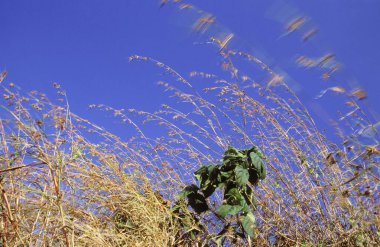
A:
(238, 170)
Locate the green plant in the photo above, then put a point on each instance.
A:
(238, 171)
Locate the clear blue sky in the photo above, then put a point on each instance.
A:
(85, 45)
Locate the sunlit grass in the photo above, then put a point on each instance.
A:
(65, 181)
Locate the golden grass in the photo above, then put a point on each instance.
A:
(60, 189)
(68, 182)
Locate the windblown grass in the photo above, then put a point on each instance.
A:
(68, 182)
(59, 188)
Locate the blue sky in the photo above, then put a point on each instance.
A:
(85, 45)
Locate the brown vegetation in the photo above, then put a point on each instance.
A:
(68, 182)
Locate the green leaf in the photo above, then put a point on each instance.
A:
(209, 178)
(197, 202)
(257, 170)
(234, 197)
(205, 184)
(249, 224)
(249, 197)
(244, 164)
(231, 150)
(207, 191)
(233, 153)
(213, 172)
(176, 208)
(256, 161)
(227, 209)
(187, 191)
(201, 173)
(241, 175)
(226, 174)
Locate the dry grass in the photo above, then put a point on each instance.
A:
(68, 182)
(60, 189)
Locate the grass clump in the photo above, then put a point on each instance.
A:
(58, 188)
(66, 181)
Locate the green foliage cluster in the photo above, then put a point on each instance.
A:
(239, 169)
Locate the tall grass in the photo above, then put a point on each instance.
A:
(68, 182)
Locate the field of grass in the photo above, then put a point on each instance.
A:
(66, 181)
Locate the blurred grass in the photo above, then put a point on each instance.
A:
(68, 182)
